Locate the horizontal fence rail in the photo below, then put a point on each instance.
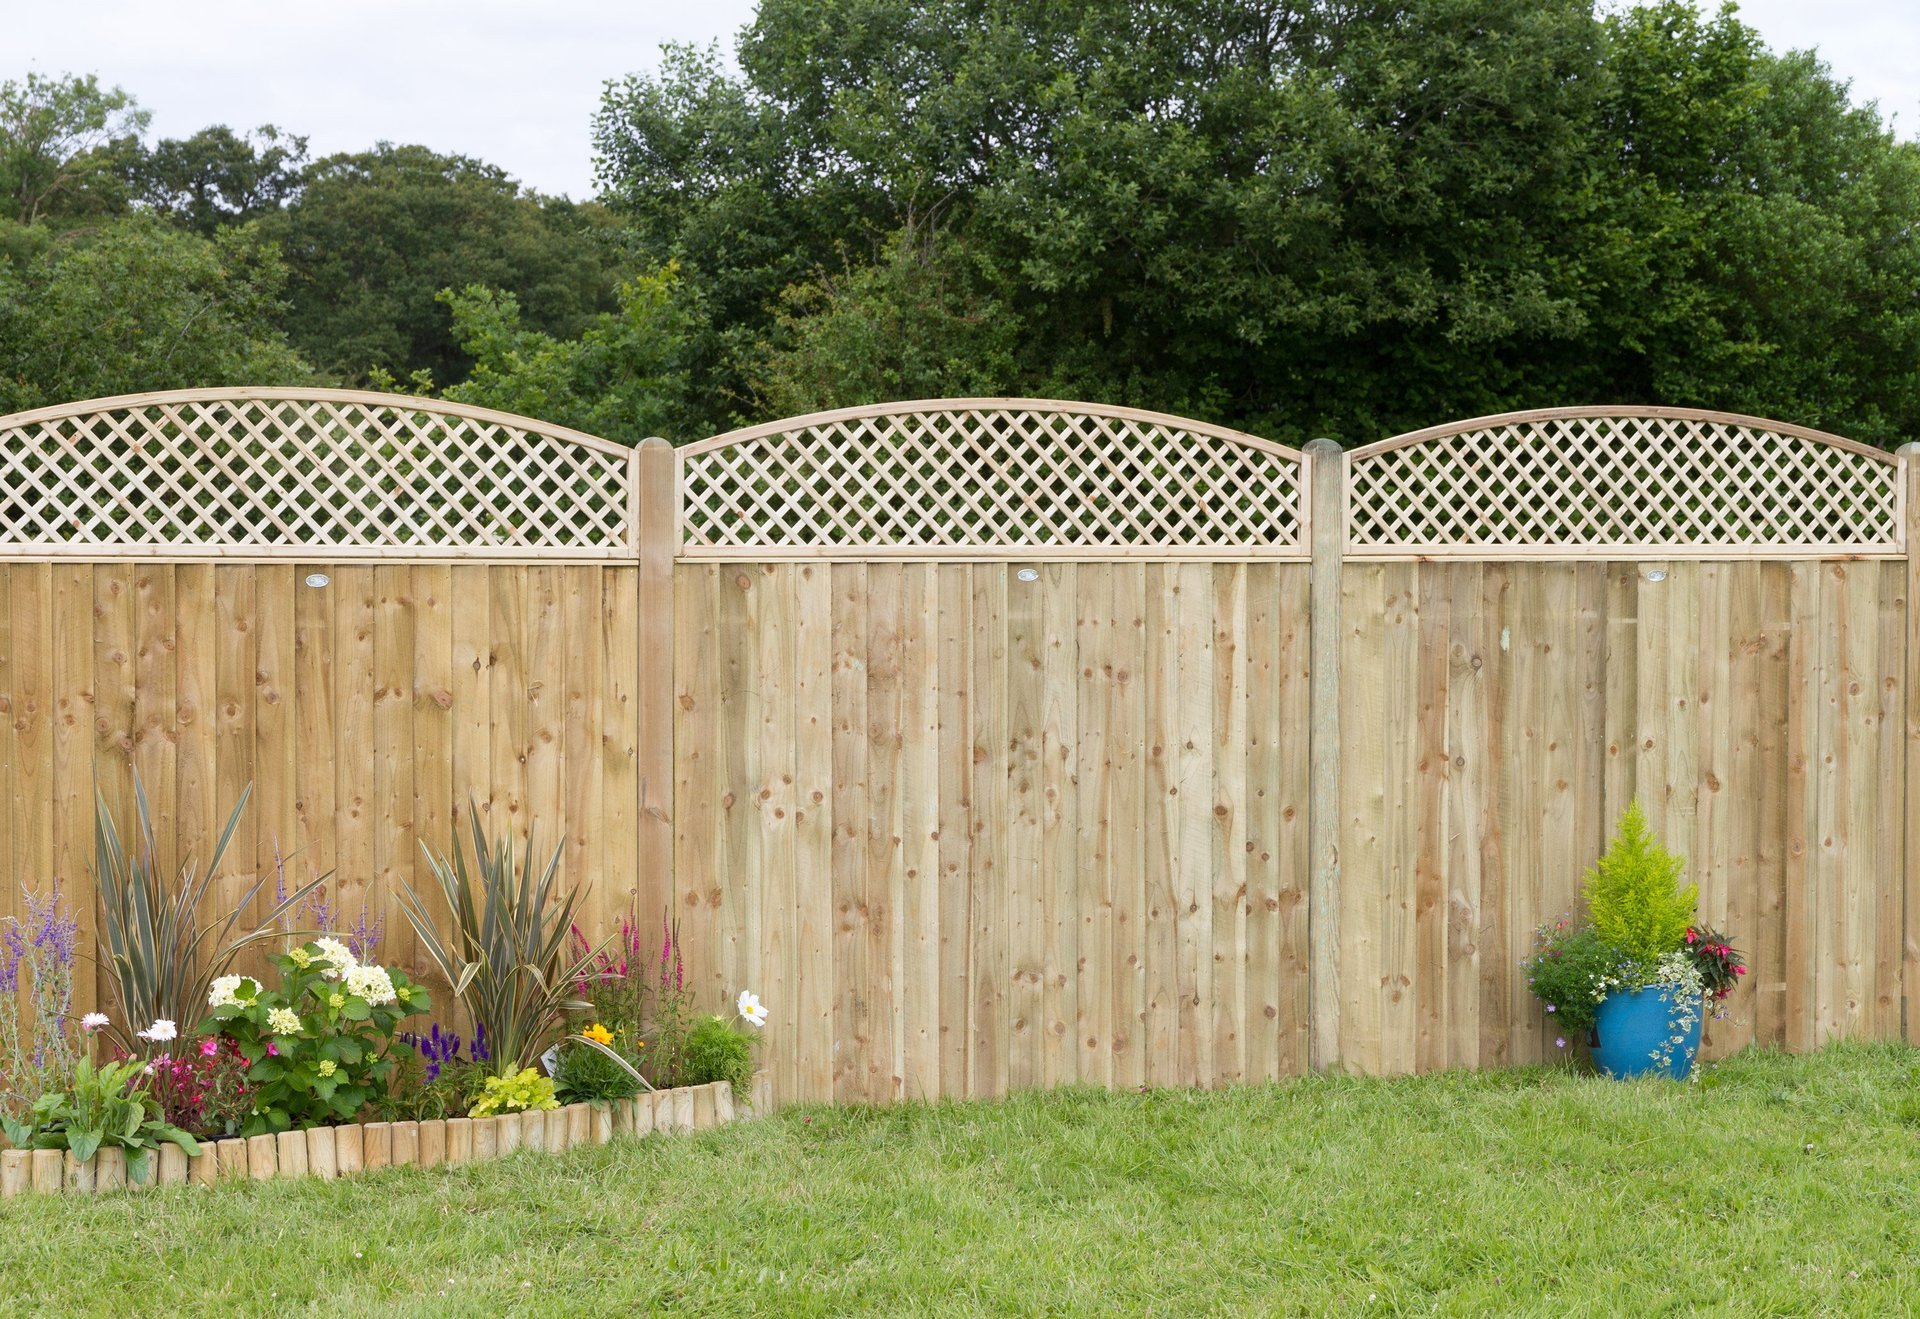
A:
(1001, 743)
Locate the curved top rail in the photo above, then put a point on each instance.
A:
(308, 473)
(1166, 420)
(1737, 419)
(1614, 480)
(991, 477)
(366, 397)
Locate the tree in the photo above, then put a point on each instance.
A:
(372, 238)
(64, 143)
(133, 305)
(1300, 218)
(218, 177)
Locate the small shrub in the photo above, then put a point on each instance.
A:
(715, 1051)
(1571, 971)
(108, 1106)
(586, 1074)
(1634, 896)
(205, 1090)
(515, 1093)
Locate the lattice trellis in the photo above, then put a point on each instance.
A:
(999, 476)
(292, 472)
(1628, 480)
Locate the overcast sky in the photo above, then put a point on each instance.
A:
(515, 82)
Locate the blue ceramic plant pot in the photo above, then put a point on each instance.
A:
(1630, 1027)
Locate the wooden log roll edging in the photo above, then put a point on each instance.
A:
(346, 1151)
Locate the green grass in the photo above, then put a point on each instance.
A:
(1775, 1186)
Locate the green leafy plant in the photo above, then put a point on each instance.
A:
(515, 1092)
(151, 942)
(1634, 896)
(510, 959)
(1571, 971)
(107, 1105)
(599, 1066)
(319, 1047)
(716, 1051)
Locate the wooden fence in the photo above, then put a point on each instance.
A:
(1003, 743)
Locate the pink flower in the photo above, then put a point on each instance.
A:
(1560, 1042)
(273, 1050)
(209, 1046)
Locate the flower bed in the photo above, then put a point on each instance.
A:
(345, 1151)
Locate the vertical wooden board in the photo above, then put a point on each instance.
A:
(203, 645)
(736, 910)
(29, 808)
(1471, 809)
(853, 1036)
(432, 695)
(1858, 748)
(1591, 760)
(1397, 891)
(156, 695)
(548, 657)
(815, 928)
(776, 953)
(1562, 675)
(1266, 688)
(1653, 639)
(472, 708)
(1501, 860)
(9, 902)
(359, 787)
(1741, 703)
(1889, 834)
(987, 1008)
(1167, 1063)
(313, 850)
(1622, 694)
(1126, 797)
(507, 666)
(1094, 644)
(390, 818)
(1227, 798)
(1806, 660)
(1194, 587)
(1765, 988)
(1523, 803)
(1059, 823)
(114, 655)
(699, 767)
(1430, 792)
(1026, 901)
(581, 612)
(1678, 820)
(1836, 976)
(1364, 864)
(615, 714)
(228, 723)
(884, 871)
(956, 807)
(1714, 842)
(73, 746)
(1296, 651)
(274, 732)
(917, 955)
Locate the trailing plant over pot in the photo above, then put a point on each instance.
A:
(1632, 980)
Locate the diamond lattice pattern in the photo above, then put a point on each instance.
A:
(1624, 481)
(991, 478)
(256, 473)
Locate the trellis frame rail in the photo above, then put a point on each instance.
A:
(696, 601)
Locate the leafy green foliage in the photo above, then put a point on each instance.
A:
(133, 305)
(318, 1047)
(715, 1050)
(598, 1070)
(510, 959)
(152, 943)
(1634, 896)
(218, 177)
(1572, 969)
(1346, 220)
(514, 1092)
(107, 1105)
(64, 143)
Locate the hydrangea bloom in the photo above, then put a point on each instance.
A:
(283, 1021)
(371, 983)
(337, 956)
(225, 990)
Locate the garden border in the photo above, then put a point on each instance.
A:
(360, 1147)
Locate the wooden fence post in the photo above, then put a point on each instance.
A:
(1327, 524)
(1910, 897)
(657, 477)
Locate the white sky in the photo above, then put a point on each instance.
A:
(515, 82)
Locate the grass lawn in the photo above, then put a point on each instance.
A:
(1775, 1186)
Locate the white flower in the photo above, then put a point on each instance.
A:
(283, 1021)
(93, 1021)
(751, 1009)
(337, 955)
(371, 983)
(160, 1032)
(225, 991)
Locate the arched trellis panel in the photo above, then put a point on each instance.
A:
(1607, 481)
(292, 473)
(991, 477)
